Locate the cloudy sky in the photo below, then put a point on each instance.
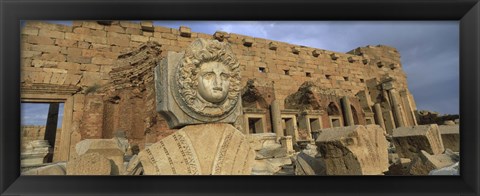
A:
(429, 51)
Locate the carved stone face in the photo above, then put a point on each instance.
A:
(213, 81)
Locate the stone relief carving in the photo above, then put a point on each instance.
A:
(209, 78)
(208, 149)
(200, 85)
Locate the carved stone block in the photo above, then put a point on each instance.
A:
(200, 85)
(208, 149)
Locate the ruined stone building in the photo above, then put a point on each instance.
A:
(103, 72)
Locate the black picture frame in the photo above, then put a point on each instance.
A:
(465, 11)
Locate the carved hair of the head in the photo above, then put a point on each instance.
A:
(203, 51)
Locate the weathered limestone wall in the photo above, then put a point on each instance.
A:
(78, 60)
(82, 55)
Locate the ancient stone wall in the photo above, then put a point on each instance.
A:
(85, 65)
(83, 54)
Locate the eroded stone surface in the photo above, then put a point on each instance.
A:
(89, 164)
(261, 140)
(306, 164)
(208, 149)
(112, 149)
(354, 150)
(409, 141)
(450, 136)
(54, 169)
(35, 153)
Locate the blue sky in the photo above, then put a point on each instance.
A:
(429, 50)
(37, 113)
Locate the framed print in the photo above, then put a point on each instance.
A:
(136, 97)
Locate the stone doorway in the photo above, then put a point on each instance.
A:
(255, 125)
(41, 121)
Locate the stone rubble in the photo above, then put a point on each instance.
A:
(354, 150)
(426, 162)
(453, 170)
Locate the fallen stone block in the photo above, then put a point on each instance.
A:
(306, 164)
(54, 169)
(134, 167)
(90, 164)
(261, 140)
(311, 150)
(399, 168)
(450, 136)
(270, 166)
(449, 122)
(113, 149)
(287, 144)
(409, 141)
(354, 150)
(271, 151)
(425, 162)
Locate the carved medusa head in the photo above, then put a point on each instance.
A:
(209, 77)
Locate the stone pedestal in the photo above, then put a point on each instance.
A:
(287, 143)
(35, 153)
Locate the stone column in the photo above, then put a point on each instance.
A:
(409, 111)
(51, 128)
(276, 118)
(347, 111)
(379, 115)
(396, 109)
